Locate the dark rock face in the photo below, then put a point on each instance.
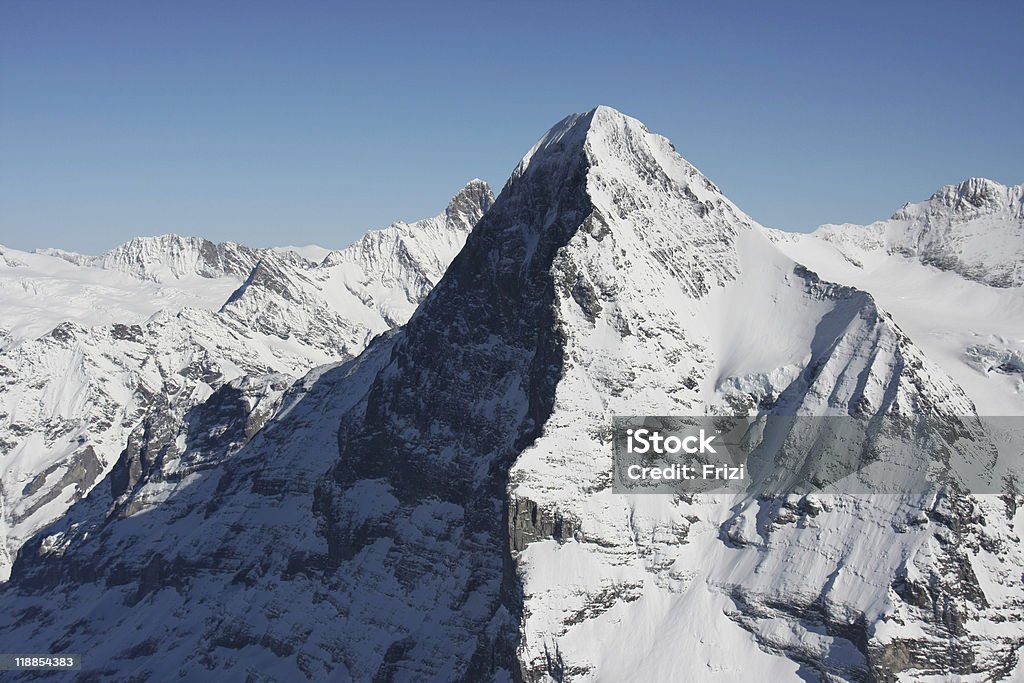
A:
(529, 522)
(81, 471)
(852, 638)
(146, 448)
(486, 334)
(165, 449)
(222, 424)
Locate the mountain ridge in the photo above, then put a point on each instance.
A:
(974, 228)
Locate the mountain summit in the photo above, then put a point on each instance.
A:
(972, 197)
(440, 506)
(170, 257)
(974, 228)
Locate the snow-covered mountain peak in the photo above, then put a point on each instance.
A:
(379, 280)
(974, 228)
(462, 213)
(565, 135)
(440, 506)
(574, 135)
(631, 183)
(174, 256)
(619, 147)
(972, 198)
(603, 134)
(164, 258)
(949, 269)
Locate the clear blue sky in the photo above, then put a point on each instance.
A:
(310, 122)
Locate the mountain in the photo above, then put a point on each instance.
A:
(440, 507)
(950, 272)
(170, 257)
(39, 291)
(115, 349)
(974, 229)
(360, 291)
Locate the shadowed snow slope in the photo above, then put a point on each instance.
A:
(440, 507)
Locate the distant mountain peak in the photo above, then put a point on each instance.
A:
(174, 256)
(160, 258)
(968, 199)
(471, 202)
(974, 192)
(974, 228)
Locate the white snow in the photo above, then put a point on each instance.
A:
(958, 322)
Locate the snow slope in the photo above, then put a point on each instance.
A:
(949, 271)
(39, 291)
(440, 506)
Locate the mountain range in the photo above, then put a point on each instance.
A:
(95, 349)
(394, 463)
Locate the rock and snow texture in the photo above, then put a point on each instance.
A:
(96, 348)
(39, 291)
(975, 229)
(950, 270)
(170, 257)
(358, 292)
(439, 508)
(677, 301)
